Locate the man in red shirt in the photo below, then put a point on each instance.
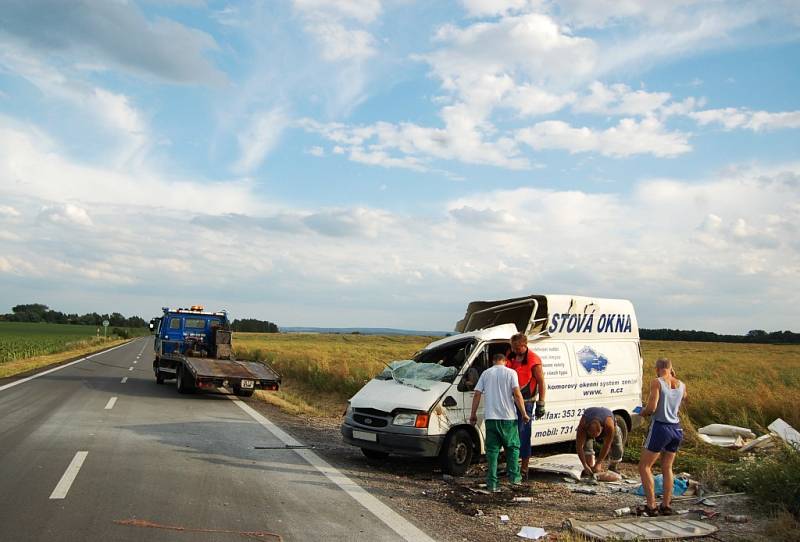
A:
(531, 377)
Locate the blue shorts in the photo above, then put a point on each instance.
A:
(663, 437)
(525, 431)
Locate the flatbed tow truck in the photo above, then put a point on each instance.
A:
(193, 347)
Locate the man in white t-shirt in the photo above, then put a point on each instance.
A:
(500, 386)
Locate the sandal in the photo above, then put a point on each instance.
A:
(644, 510)
(665, 510)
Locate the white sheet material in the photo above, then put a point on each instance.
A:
(532, 533)
(562, 463)
(723, 430)
(786, 432)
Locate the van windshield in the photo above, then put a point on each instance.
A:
(431, 365)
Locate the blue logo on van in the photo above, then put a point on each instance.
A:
(591, 360)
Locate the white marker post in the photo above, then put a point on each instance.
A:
(105, 329)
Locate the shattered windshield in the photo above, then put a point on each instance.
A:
(431, 365)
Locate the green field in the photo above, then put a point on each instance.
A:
(20, 340)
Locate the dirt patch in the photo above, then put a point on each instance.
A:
(458, 509)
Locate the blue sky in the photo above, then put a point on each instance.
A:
(383, 162)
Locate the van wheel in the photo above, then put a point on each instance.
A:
(622, 426)
(456, 454)
(183, 381)
(374, 454)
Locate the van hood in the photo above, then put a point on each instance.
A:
(388, 395)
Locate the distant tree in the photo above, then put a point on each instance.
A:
(253, 325)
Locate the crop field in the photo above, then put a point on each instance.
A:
(740, 384)
(25, 340)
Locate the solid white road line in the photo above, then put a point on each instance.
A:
(124, 379)
(111, 403)
(62, 488)
(392, 519)
(23, 380)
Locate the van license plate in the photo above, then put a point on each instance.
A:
(247, 384)
(364, 435)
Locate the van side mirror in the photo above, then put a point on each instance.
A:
(469, 380)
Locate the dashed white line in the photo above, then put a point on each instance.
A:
(130, 368)
(124, 379)
(111, 403)
(136, 361)
(392, 519)
(62, 488)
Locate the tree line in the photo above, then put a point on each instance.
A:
(254, 326)
(37, 312)
(755, 336)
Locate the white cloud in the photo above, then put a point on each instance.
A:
(619, 99)
(338, 43)
(629, 137)
(330, 23)
(317, 151)
(66, 215)
(363, 11)
(8, 211)
(259, 138)
(482, 8)
(732, 118)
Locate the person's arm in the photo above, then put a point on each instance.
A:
(580, 442)
(521, 404)
(476, 400)
(652, 399)
(538, 374)
(609, 427)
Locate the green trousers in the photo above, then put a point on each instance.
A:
(502, 433)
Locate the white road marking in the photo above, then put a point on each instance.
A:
(54, 369)
(124, 379)
(111, 403)
(136, 361)
(392, 519)
(62, 488)
(130, 368)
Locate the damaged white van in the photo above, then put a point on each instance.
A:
(420, 407)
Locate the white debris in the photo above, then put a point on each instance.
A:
(562, 463)
(504, 518)
(761, 443)
(531, 533)
(723, 430)
(723, 441)
(785, 432)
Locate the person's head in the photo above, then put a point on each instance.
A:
(498, 359)
(594, 429)
(664, 365)
(519, 343)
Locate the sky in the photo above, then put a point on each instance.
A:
(381, 163)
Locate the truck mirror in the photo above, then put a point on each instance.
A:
(469, 380)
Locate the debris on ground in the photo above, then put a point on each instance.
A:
(737, 518)
(785, 432)
(679, 486)
(504, 518)
(726, 436)
(764, 442)
(531, 533)
(608, 476)
(657, 528)
(569, 464)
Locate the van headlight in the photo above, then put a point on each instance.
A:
(411, 419)
(348, 412)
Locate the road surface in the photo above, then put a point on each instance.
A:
(96, 450)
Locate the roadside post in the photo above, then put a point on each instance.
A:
(105, 329)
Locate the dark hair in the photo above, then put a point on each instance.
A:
(498, 357)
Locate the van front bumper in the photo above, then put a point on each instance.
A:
(395, 443)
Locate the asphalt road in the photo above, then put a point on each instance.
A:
(98, 451)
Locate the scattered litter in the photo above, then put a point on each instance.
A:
(523, 499)
(478, 513)
(785, 432)
(585, 490)
(569, 480)
(448, 478)
(681, 512)
(644, 528)
(723, 441)
(482, 485)
(678, 487)
(708, 502)
(619, 512)
(763, 442)
(568, 464)
(504, 519)
(723, 430)
(737, 518)
(531, 533)
(481, 491)
(608, 476)
(425, 493)
(701, 514)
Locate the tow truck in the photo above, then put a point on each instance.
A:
(193, 347)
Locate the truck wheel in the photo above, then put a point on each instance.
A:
(182, 381)
(623, 427)
(159, 377)
(374, 454)
(456, 454)
(239, 392)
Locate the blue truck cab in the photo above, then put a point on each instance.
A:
(193, 347)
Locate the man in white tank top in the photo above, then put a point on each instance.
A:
(664, 437)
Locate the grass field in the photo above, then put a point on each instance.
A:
(740, 384)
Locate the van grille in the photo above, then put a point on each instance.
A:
(370, 421)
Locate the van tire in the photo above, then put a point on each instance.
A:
(457, 452)
(374, 454)
(623, 427)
